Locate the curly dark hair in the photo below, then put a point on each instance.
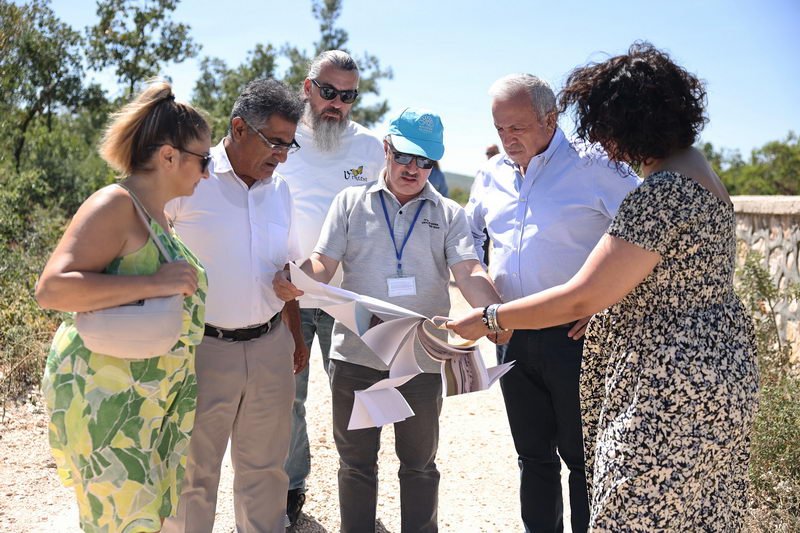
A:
(640, 106)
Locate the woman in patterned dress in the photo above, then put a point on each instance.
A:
(669, 379)
(119, 428)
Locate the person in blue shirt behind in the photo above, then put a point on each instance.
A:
(437, 179)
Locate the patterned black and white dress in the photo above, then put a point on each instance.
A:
(669, 379)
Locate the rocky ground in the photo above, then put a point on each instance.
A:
(478, 490)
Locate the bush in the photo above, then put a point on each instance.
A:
(775, 462)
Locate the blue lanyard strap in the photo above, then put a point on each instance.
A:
(399, 253)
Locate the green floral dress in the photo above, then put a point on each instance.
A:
(120, 428)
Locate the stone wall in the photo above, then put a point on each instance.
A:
(771, 226)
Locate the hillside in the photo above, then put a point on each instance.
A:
(461, 181)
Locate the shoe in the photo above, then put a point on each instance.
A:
(294, 505)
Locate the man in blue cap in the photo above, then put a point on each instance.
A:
(398, 240)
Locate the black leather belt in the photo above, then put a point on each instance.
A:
(243, 334)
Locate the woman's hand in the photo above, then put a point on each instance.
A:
(470, 326)
(178, 277)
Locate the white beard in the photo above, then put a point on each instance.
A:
(327, 133)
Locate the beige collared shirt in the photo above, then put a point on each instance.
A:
(356, 234)
(242, 236)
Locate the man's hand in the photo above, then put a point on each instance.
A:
(301, 353)
(284, 289)
(579, 328)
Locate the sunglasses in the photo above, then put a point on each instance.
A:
(290, 148)
(423, 163)
(205, 159)
(329, 93)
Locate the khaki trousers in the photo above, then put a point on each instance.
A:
(245, 393)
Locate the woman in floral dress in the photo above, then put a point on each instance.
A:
(669, 379)
(119, 428)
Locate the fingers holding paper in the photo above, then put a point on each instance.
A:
(469, 326)
(285, 289)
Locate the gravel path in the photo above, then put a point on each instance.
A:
(478, 490)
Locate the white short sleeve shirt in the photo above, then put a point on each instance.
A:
(316, 177)
(242, 236)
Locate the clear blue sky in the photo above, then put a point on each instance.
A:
(445, 54)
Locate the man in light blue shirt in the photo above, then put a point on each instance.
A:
(545, 203)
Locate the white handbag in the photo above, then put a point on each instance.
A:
(138, 330)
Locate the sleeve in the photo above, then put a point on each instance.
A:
(333, 237)
(458, 244)
(613, 185)
(377, 161)
(474, 215)
(294, 249)
(652, 216)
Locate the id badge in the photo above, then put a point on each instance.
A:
(405, 286)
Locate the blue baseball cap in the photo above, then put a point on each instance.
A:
(418, 131)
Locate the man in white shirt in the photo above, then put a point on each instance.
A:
(545, 203)
(337, 153)
(240, 223)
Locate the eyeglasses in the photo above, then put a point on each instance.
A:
(347, 96)
(205, 159)
(423, 163)
(290, 148)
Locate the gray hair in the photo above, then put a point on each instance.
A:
(338, 58)
(539, 91)
(263, 98)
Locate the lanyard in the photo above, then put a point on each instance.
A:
(399, 253)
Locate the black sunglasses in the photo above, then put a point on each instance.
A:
(405, 159)
(205, 159)
(347, 96)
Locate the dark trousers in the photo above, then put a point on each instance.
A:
(416, 442)
(543, 406)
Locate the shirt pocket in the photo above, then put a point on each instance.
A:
(275, 249)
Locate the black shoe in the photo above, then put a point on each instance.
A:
(294, 505)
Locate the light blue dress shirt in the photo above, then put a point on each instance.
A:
(543, 225)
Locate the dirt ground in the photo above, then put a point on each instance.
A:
(478, 490)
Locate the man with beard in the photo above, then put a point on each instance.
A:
(336, 154)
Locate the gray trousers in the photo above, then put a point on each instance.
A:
(244, 392)
(416, 442)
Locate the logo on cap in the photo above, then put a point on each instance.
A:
(426, 124)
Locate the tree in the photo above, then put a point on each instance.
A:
(219, 85)
(137, 39)
(772, 169)
(333, 38)
(40, 68)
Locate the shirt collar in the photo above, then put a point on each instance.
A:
(428, 192)
(222, 164)
(544, 157)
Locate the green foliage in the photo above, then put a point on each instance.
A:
(459, 195)
(28, 232)
(772, 169)
(219, 85)
(775, 463)
(40, 69)
(137, 38)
